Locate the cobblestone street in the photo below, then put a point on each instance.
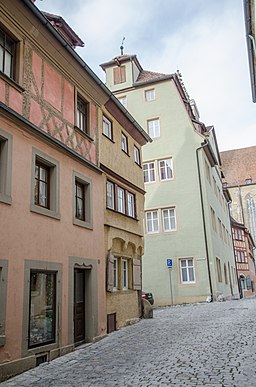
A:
(194, 345)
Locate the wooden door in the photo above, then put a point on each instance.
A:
(79, 306)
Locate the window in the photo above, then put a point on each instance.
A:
(42, 185)
(7, 53)
(149, 95)
(124, 274)
(240, 256)
(110, 195)
(45, 185)
(3, 298)
(5, 166)
(213, 219)
(82, 115)
(136, 155)
(238, 234)
(82, 199)
(42, 308)
(119, 75)
(149, 172)
(187, 270)
(220, 227)
(218, 270)
(80, 203)
(223, 233)
(115, 268)
(123, 101)
(107, 128)
(130, 205)
(120, 200)
(215, 186)
(165, 169)
(124, 143)
(208, 173)
(153, 127)
(169, 219)
(152, 224)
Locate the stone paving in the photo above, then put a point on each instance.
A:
(193, 345)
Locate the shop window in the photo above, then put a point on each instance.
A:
(42, 308)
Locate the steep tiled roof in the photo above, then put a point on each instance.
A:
(239, 165)
(149, 76)
(64, 29)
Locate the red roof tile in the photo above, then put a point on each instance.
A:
(239, 166)
(145, 76)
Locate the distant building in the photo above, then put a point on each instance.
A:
(245, 262)
(186, 210)
(239, 168)
(250, 25)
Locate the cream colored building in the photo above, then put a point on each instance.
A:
(186, 211)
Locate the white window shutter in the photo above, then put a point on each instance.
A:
(110, 272)
(136, 274)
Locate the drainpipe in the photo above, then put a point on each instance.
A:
(205, 143)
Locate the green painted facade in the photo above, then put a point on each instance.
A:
(194, 243)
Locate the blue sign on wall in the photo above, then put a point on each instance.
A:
(169, 262)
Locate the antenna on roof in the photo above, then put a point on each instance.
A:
(122, 46)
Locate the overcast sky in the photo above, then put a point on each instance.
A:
(204, 39)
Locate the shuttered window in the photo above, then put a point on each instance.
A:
(119, 75)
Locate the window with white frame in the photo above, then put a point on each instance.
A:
(123, 101)
(150, 95)
(124, 143)
(152, 223)
(187, 270)
(120, 200)
(165, 169)
(115, 268)
(110, 195)
(130, 204)
(149, 172)
(153, 127)
(136, 155)
(125, 274)
(107, 128)
(169, 219)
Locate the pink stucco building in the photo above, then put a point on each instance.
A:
(53, 191)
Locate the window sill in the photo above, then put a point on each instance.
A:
(82, 223)
(139, 165)
(84, 134)
(126, 153)
(11, 82)
(45, 212)
(121, 213)
(5, 199)
(110, 139)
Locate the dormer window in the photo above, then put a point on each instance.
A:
(119, 75)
